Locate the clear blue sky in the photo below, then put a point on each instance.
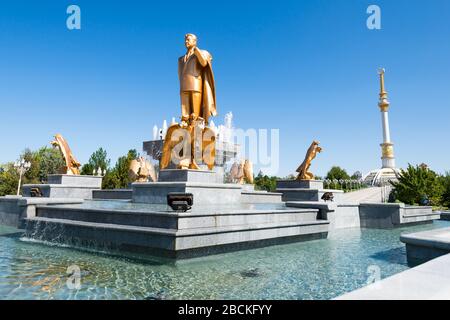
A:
(305, 67)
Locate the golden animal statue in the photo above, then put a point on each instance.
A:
(235, 172)
(72, 166)
(242, 172)
(303, 169)
(191, 142)
(141, 170)
(248, 171)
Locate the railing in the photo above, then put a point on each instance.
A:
(386, 189)
(346, 185)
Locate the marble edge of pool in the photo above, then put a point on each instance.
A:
(428, 281)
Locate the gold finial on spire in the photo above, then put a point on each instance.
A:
(384, 103)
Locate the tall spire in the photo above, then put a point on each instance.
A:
(387, 147)
(384, 103)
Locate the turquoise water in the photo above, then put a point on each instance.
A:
(320, 269)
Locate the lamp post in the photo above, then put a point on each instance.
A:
(21, 166)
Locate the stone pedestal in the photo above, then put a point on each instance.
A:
(71, 180)
(176, 175)
(302, 184)
(225, 152)
(204, 185)
(305, 190)
(65, 186)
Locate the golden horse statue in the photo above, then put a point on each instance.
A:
(72, 166)
(303, 169)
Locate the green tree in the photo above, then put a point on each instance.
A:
(416, 183)
(44, 161)
(337, 173)
(445, 182)
(117, 178)
(32, 175)
(50, 161)
(99, 159)
(264, 182)
(9, 179)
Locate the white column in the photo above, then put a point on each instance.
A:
(385, 122)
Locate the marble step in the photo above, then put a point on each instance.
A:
(171, 242)
(179, 221)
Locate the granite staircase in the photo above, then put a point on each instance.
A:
(174, 234)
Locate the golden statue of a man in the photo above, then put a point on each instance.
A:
(197, 87)
(303, 169)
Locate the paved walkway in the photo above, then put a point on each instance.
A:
(372, 194)
(429, 281)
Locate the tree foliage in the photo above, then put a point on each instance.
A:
(445, 181)
(336, 173)
(117, 177)
(416, 183)
(44, 161)
(50, 161)
(99, 159)
(264, 182)
(9, 179)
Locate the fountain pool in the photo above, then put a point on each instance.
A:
(319, 269)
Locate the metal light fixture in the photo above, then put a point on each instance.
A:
(21, 166)
(181, 202)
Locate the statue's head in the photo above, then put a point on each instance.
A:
(190, 40)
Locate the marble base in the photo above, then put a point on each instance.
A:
(340, 216)
(66, 186)
(203, 184)
(300, 184)
(177, 175)
(60, 191)
(392, 215)
(306, 190)
(15, 209)
(426, 245)
(299, 194)
(173, 234)
(71, 180)
(204, 193)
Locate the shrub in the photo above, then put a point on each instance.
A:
(264, 182)
(417, 183)
(445, 181)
